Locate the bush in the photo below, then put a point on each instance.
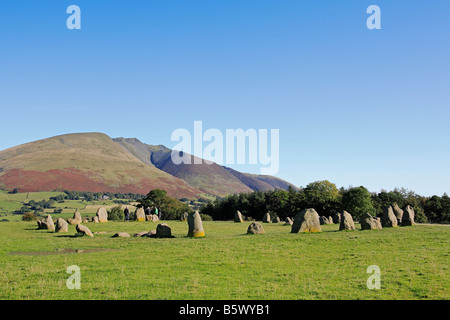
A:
(29, 216)
(206, 217)
(57, 210)
(116, 213)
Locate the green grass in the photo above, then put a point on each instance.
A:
(227, 263)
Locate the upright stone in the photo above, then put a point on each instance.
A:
(195, 225)
(83, 230)
(163, 231)
(368, 222)
(323, 220)
(288, 222)
(408, 216)
(255, 228)
(346, 222)
(388, 219)
(102, 215)
(61, 225)
(238, 217)
(50, 224)
(276, 219)
(266, 218)
(76, 218)
(337, 218)
(184, 216)
(306, 221)
(398, 213)
(139, 214)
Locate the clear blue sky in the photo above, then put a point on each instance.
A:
(353, 106)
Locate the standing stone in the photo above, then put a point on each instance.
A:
(337, 218)
(139, 214)
(398, 213)
(238, 217)
(46, 223)
(148, 217)
(61, 225)
(184, 216)
(276, 219)
(96, 219)
(84, 230)
(266, 218)
(346, 222)
(163, 231)
(408, 216)
(155, 218)
(323, 220)
(306, 221)
(388, 219)
(195, 225)
(76, 218)
(50, 224)
(255, 228)
(288, 222)
(368, 222)
(102, 215)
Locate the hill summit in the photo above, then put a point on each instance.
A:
(95, 162)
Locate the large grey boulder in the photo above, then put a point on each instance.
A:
(76, 218)
(346, 222)
(306, 221)
(61, 225)
(195, 225)
(83, 230)
(408, 216)
(368, 222)
(266, 218)
(238, 217)
(388, 218)
(398, 213)
(255, 228)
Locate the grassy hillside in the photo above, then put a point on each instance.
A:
(83, 162)
(227, 264)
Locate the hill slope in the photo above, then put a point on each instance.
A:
(83, 162)
(209, 178)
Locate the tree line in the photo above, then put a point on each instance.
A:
(327, 200)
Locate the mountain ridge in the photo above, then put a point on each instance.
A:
(93, 161)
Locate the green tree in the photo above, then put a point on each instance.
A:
(323, 196)
(357, 201)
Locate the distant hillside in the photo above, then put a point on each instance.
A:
(209, 178)
(95, 162)
(213, 179)
(83, 162)
(261, 182)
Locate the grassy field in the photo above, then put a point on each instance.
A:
(227, 264)
(11, 202)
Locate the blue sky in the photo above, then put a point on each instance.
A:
(353, 106)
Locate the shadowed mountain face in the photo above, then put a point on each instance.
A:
(95, 162)
(209, 178)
